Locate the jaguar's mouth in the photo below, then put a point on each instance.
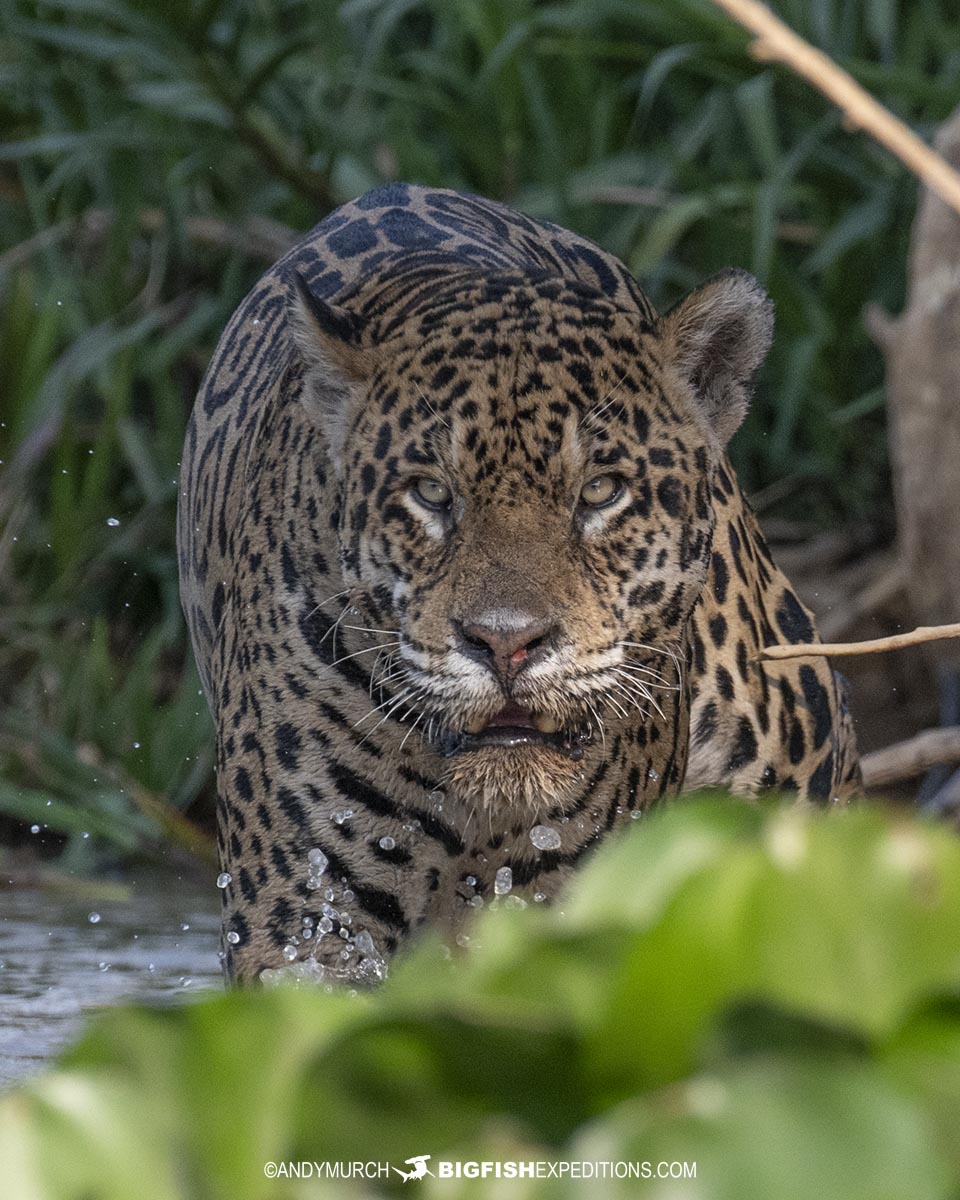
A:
(514, 726)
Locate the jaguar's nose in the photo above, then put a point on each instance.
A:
(506, 646)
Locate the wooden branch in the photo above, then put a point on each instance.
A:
(906, 760)
(776, 42)
(926, 633)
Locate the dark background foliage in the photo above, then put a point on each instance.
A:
(157, 155)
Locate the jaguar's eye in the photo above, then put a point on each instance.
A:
(432, 493)
(601, 491)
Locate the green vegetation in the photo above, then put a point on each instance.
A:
(771, 993)
(156, 155)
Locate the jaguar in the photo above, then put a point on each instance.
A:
(470, 579)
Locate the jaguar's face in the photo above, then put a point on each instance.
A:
(527, 503)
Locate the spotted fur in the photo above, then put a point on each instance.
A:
(349, 630)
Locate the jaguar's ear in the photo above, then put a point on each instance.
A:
(715, 339)
(331, 343)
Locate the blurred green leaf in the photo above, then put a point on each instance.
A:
(687, 1003)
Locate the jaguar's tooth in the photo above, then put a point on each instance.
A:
(476, 725)
(545, 724)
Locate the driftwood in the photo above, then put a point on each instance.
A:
(897, 641)
(922, 353)
(913, 757)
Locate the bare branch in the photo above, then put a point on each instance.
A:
(925, 633)
(906, 760)
(776, 42)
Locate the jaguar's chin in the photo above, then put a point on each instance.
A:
(529, 776)
(515, 758)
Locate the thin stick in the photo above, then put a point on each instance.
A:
(776, 42)
(907, 759)
(925, 633)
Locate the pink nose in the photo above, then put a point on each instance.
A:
(506, 651)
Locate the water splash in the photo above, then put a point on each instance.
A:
(503, 881)
(545, 838)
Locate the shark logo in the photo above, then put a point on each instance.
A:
(419, 1165)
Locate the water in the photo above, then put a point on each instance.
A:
(58, 963)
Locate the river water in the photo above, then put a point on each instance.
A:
(63, 957)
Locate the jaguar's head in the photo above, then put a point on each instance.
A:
(526, 478)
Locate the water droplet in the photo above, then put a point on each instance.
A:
(654, 775)
(386, 843)
(545, 838)
(364, 943)
(317, 860)
(290, 953)
(113, 522)
(471, 881)
(325, 925)
(93, 918)
(34, 828)
(462, 939)
(503, 881)
(539, 897)
(136, 745)
(636, 815)
(185, 926)
(341, 816)
(104, 966)
(233, 937)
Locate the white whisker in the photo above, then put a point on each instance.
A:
(357, 653)
(336, 596)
